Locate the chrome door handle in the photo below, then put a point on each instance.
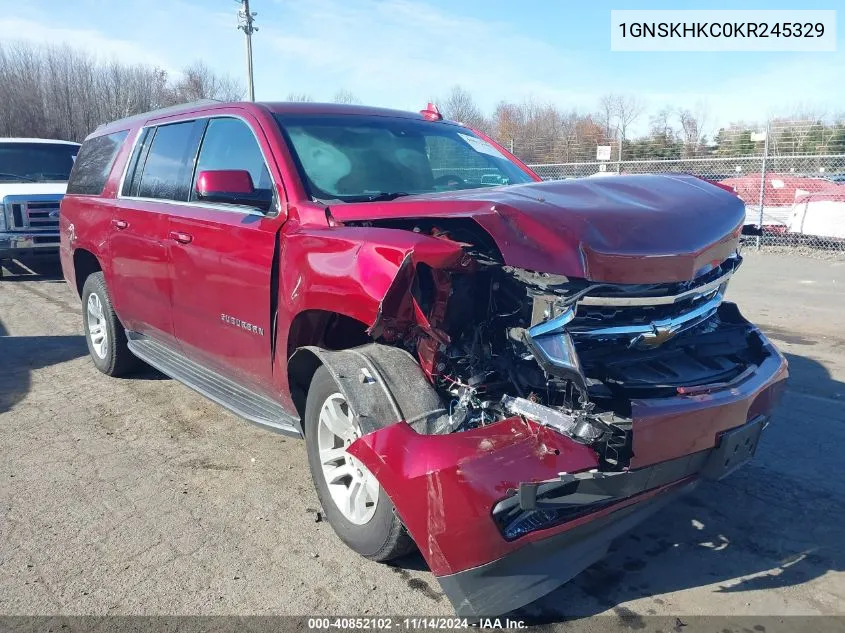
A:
(120, 224)
(182, 238)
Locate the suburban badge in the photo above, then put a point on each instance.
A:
(249, 327)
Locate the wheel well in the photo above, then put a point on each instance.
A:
(85, 263)
(321, 328)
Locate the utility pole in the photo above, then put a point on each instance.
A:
(246, 23)
(619, 153)
(763, 181)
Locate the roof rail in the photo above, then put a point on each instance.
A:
(179, 107)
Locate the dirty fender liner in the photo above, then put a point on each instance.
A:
(541, 566)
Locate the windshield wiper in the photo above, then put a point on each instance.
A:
(385, 195)
(50, 176)
(26, 178)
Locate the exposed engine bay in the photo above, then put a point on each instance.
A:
(498, 341)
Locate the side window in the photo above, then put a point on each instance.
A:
(93, 164)
(136, 164)
(167, 171)
(230, 144)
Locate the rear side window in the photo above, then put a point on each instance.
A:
(93, 164)
(133, 172)
(170, 163)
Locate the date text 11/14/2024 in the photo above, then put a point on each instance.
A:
(413, 623)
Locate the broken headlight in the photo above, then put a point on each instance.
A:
(552, 346)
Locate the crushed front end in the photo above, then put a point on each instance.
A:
(572, 409)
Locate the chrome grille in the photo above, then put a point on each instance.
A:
(645, 319)
(33, 213)
(43, 215)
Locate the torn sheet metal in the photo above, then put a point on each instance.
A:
(365, 274)
(445, 486)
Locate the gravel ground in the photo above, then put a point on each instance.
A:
(138, 496)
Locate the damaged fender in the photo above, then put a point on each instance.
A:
(372, 270)
(361, 265)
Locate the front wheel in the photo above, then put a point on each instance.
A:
(356, 506)
(104, 333)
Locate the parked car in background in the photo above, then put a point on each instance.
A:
(506, 376)
(820, 214)
(33, 177)
(779, 196)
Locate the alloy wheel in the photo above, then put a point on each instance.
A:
(353, 488)
(97, 331)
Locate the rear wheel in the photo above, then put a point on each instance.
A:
(356, 506)
(104, 333)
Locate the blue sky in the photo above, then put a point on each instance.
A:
(398, 53)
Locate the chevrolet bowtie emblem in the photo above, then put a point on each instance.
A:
(655, 338)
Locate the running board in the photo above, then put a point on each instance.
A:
(241, 401)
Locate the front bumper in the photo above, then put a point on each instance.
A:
(611, 503)
(28, 244)
(545, 504)
(542, 566)
(458, 493)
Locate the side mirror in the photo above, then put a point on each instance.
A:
(231, 186)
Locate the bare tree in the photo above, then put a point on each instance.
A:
(794, 131)
(661, 123)
(460, 106)
(62, 92)
(507, 124)
(22, 101)
(345, 96)
(693, 126)
(628, 110)
(617, 113)
(608, 115)
(298, 96)
(198, 81)
(540, 132)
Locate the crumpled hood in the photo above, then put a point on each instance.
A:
(625, 229)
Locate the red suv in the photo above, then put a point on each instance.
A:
(502, 372)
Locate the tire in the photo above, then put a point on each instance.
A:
(113, 358)
(380, 537)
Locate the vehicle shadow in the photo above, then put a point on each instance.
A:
(50, 271)
(20, 355)
(47, 270)
(145, 372)
(775, 523)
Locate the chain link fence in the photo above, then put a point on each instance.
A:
(790, 200)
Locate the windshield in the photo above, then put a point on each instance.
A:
(36, 162)
(366, 158)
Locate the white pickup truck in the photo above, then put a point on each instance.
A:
(33, 178)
